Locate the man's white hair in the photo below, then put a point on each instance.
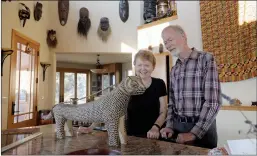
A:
(176, 28)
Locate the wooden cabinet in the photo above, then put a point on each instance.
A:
(114, 69)
(102, 81)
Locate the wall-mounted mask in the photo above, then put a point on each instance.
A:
(124, 10)
(104, 29)
(161, 48)
(38, 11)
(24, 13)
(51, 38)
(63, 10)
(149, 10)
(84, 22)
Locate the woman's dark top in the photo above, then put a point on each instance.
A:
(143, 110)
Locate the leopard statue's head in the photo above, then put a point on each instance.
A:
(133, 85)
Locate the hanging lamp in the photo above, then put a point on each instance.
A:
(99, 68)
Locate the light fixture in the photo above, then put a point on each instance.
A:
(44, 66)
(5, 52)
(99, 68)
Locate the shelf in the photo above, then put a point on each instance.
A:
(163, 20)
(242, 108)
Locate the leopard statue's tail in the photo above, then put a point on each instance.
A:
(49, 116)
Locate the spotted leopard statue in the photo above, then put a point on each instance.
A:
(109, 109)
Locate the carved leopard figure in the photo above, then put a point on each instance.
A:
(109, 109)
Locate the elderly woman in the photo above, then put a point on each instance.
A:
(147, 112)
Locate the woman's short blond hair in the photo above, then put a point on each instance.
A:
(145, 55)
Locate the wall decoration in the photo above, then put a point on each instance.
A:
(173, 7)
(84, 23)
(104, 29)
(51, 38)
(229, 32)
(124, 10)
(4, 53)
(24, 13)
(149, 10)
(163, 9)
(161, 48)
(44, 65)
(63, 10)
(38, 11)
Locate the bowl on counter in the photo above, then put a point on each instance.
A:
(95, 151)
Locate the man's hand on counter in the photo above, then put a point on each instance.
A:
(166, 132)
(185, 138)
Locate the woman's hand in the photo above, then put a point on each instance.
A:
(153, 133)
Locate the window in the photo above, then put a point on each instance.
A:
(81, 86)
(71, 83)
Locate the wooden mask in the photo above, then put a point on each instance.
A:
(124, 10)
(63, 10)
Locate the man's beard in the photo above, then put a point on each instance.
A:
(83, 27)
(175, 52)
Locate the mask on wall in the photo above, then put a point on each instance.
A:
(24, 13)
(63, 10)
(124, 10)
(104, 29)
(51, 38)
(161, 48)
(84, 22)
(38, 11)
(149, 10)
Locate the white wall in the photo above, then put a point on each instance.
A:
(35, 30)
(122, 39)
(125, 68)
(245, 90)
(230, 122)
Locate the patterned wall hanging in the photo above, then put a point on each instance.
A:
(229, 32)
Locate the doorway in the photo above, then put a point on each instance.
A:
(22, 106)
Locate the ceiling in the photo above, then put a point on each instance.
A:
(90, 58)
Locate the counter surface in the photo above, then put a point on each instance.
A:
(47, 144)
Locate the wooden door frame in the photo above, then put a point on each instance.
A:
(12, 75)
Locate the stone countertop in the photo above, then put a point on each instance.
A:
(47, 144)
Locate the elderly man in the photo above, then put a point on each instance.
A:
(195, 95)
